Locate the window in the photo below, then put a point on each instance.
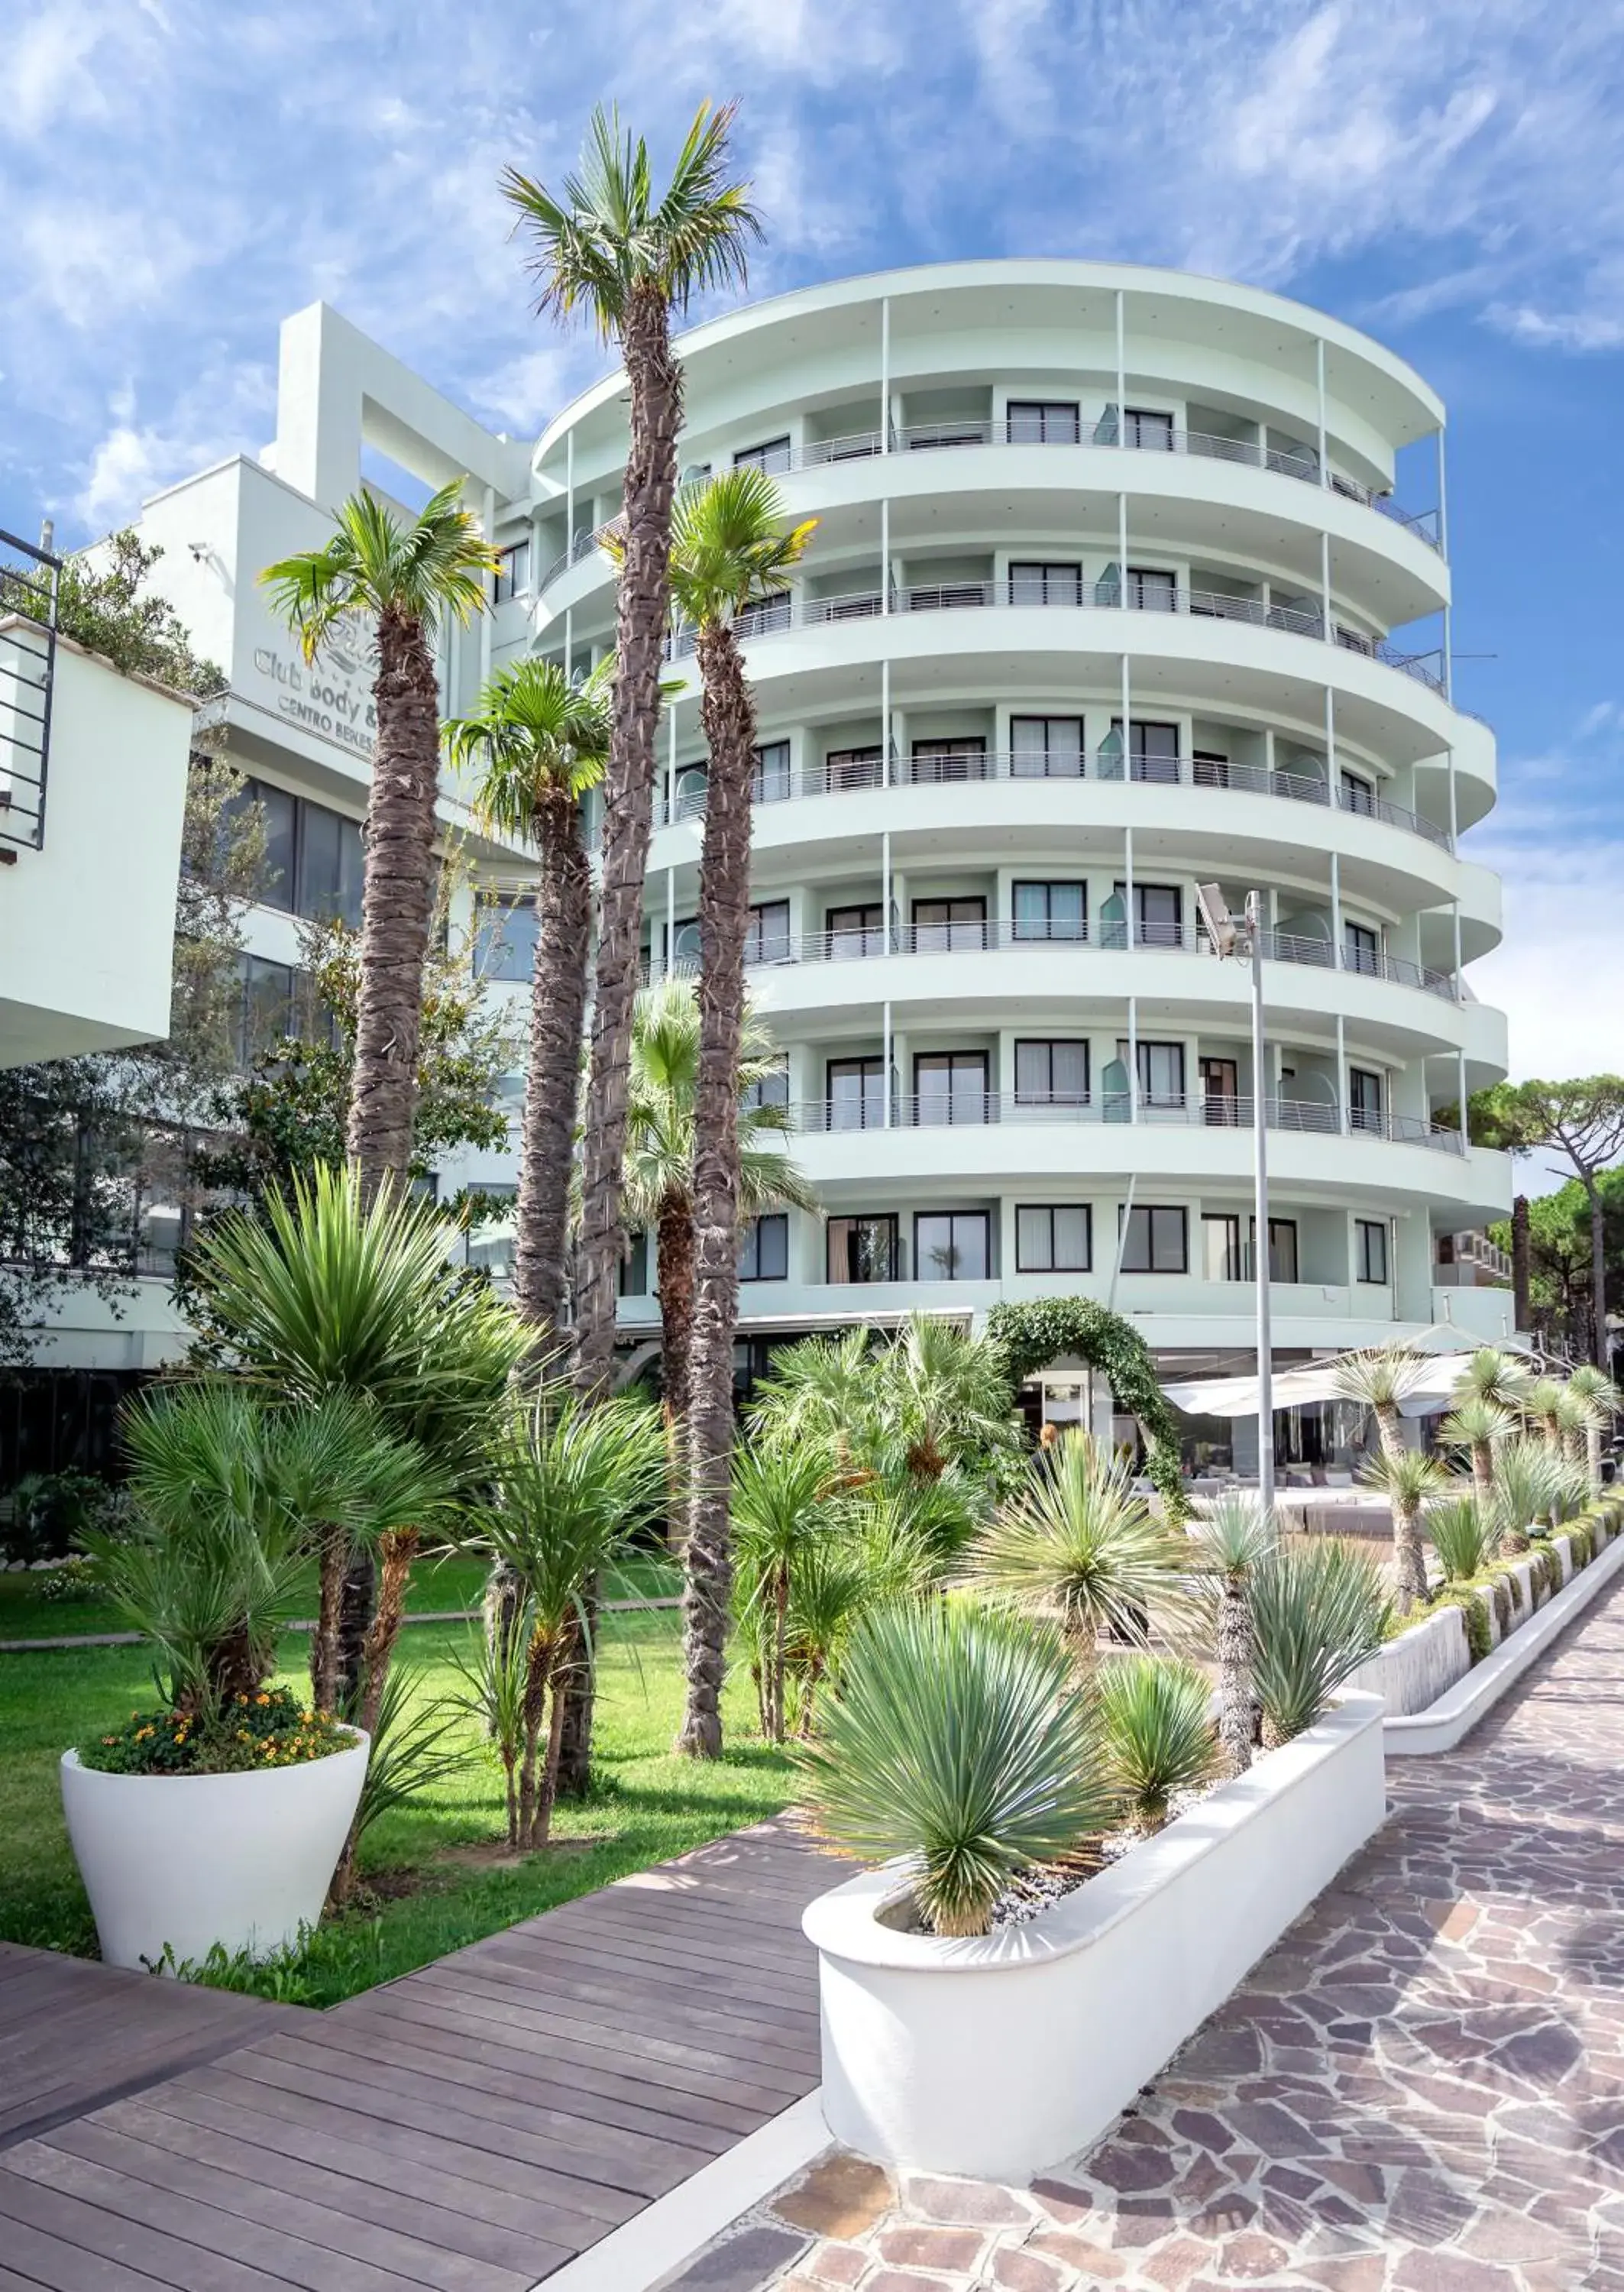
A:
(938, 762)
(504, 939)
(1220, 1090)
(1161, 1073)
(1153, 750)
(1035, 584)
(1151, 430)
(1282, 1247)
(1370, 1250)
(1360, 949)
(949, 1246)
(1158, 913)
(267, 1010)
(861, 1249)
(769, 782)
(280, 811)
(773, 456)
(853, 767)
(1053, 1237)
(1157, 1240)
(939, 924)
(1050, 910)
(331, 864)
(1357, 793)
(512, 577)
(1220, 1241)
(950, 1086)
(1364, 1099)
(856, 1093)
(1043, 422)
(634, 1267)
(854, 931)
(1051, 1074)
(767, 939)
(686, 947)
(1046, 748)
(764, 1253)
(1151, 590)
(770, 1090)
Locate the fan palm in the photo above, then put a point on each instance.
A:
(608, 247)
(1477, 1424)
(403, 579)
(1230, 1539)
(959, 1741)
(328, 1295)
(1382, 1380)
(573, 1483)
(539, 739)
(947, 1397)
(1157, 1727)
(1077, 1543)
(1598, 1388)
(659, 1180)
(1407, 1478)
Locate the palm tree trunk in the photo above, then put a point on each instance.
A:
(1483, 1475)
(396, 900)
(729, 719)
(357, 1598)
(1390, 1430)
(655, 381)
(535, 1704)
(334, 1550)
(674, 1272)
(399, 1550)
(547, 1798)
(1408, 1553)
(1234, 1655)
(552, 1078)
(1601, 1351)
(1520, 1253)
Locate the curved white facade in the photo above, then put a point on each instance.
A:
(978, 940)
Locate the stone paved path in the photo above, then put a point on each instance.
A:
(1421, 2090)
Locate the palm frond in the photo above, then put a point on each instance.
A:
(534, 731)
(374, 565)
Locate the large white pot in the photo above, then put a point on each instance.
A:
(185, 1862)
(995, 2057)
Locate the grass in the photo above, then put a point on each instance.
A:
(438, 1872)
(436, 1586)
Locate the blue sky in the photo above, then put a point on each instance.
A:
(176, 176)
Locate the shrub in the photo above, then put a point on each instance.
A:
(1463, 1536)
(956, 1740)
(1320, 1610)
(52, 1513)
(1159, 1735)
(266, 1730)
(69, 1585)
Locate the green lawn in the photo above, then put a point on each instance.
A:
(436, 1586)
(439, 1875)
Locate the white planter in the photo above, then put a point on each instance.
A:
(998, 2056)
(185, 1862)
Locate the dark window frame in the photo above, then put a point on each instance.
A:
(1153, 1215)
(882, 1221)
(1370, 1247)
(1050, 1210)
(776, 1223)
(952, 1219)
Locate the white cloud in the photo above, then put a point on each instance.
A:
(1552, 976)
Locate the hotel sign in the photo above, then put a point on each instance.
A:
(333, 697)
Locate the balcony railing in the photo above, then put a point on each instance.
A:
(952, 766)
(582, 545)
(28, 580)
(797, 610)
(928, 1110)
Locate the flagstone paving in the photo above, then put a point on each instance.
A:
(1421, 2089)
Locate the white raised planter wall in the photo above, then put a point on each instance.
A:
(996, 2056)
(183, 1862)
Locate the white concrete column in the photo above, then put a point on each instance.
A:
(1133, 935)
(885, 374)
(885, 722)
(1333, 779)
(1133, 1056)
(1121, 377)
(1330, 632)
(1449, 648)
(670, 923)
(885, 885)
(885, 555)
(489, 527)
(1341, 1073)
(1127, 702)
(1336, 907)
(671, 764)
(1455, 923)
(1454, 815)
(885, 1062)
(569, 492)
(1319, 364)
(1121, 543)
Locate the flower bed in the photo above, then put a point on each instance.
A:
(996, 2055)
(254, 1732)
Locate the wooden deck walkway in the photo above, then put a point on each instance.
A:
(470, 2128)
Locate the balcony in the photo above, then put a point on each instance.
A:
(943, 769)
(28, 671)
(793, 611)
(1301, 1116)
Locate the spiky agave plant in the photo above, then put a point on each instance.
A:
(1229, 1539)
(1381, 1380)
(1490, 1375)
(1525, 1488)
(1541, 1407)
(1407, 1478)
(958, 1740)
(1321, 1610)
(1155, 1715)
(1464, 1534)
(1600, 1390)
(1478, 1424)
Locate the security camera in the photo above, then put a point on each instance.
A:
(201, 550)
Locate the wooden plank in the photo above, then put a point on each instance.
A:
(168, 2260)
(54, 2265)
(636, 2008)
(168, 2167)
(231, 2141)
(608, 1956)
(687, 1928)
(129, 2195)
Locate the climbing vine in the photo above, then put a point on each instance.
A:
(1029, 1337)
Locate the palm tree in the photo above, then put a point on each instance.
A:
(1079, 1545)
(406, 579)
(1231, 1538)
(729, 548)
(781, 1499)
(659, 1181)
(1407, 1477)
(540, 740)
(1541, 1406)
(1478, 1424)
(947, 1397)
(1382, 1379)
(607, 247)
(1594, 1385)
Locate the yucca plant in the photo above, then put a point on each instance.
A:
(1490, 1375)
(1541, 1407)
(1465, 1535)
(493, 1669)
(958, 1741)
(1478, 1424)
(1407, 1478)
(1156, 1720)
(783, 1498)
(1600, 1390)
(1320, 1610)
(416, 1742)
(1229, 1540)
(1382, 1380)
(839, 1579)
(1526, 1488)
(1079, 1545)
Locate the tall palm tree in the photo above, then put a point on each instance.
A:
(539, 740)
(659, 1185)
(607, 247)
(730, 547)
(405, 580)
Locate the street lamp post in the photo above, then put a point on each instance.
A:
(1245, 938)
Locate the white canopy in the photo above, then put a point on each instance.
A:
(1296, 1388)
